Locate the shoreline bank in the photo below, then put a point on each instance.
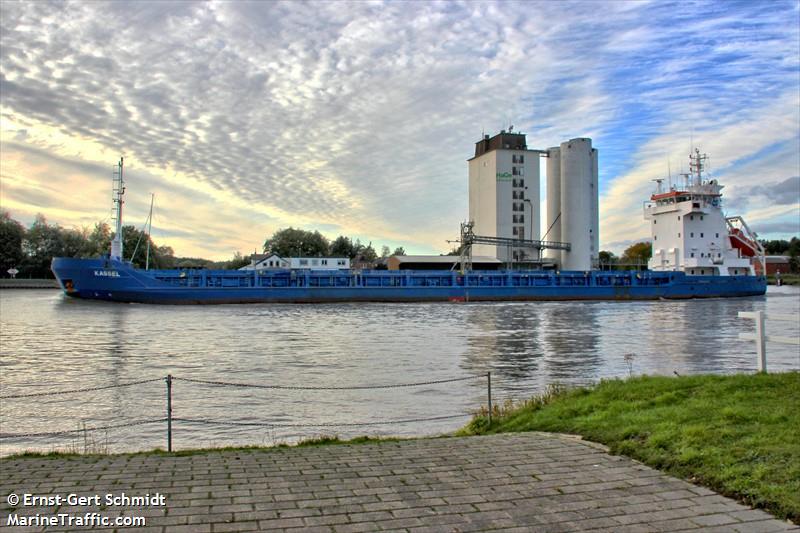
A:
(20, 283)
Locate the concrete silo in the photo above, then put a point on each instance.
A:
(577, 204)
(553, 218)
(595, 250)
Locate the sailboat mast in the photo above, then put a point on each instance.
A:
(149, 232)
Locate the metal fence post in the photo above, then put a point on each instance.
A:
(489, 394)
(169, 412)
(761, 342)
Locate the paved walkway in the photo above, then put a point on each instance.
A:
(524, 482)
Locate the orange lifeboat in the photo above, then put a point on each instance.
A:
(746, 247)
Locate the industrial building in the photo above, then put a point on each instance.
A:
(504, 194)
(439, 262)
(504, 200)
(274, 261)
(572, 204)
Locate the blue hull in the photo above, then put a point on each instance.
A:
(104, 279)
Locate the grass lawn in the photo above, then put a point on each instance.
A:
(786, 278)
(738, 435)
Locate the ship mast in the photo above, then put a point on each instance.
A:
(118, 189)
(696, 164)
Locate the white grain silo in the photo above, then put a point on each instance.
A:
(595, 251)
(552, 226)
(576, 203)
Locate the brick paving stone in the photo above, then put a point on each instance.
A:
(526, 482)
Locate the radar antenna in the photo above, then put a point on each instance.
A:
(659, 181)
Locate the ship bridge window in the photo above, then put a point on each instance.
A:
(701, 235)
(691, 217)
(701, 217)
(679, 235)
(691, 235)
(655, 221)
(679, 217)
(696, 204)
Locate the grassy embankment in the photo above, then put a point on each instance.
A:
(786, 279)
(738, 435)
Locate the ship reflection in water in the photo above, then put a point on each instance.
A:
(52, 343)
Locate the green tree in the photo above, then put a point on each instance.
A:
(794, 255)
(638, 253)
(367, 253)
(98, 243)
(11, 236)
(42, 243)
(385, 251)
(164, 258)
(135, 249)
(607, 258)
(343, 247)
(399, 251)
(291, 242)
(776, 247)
(237, 262)
(74, 242)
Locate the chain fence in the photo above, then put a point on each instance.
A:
(170, 419)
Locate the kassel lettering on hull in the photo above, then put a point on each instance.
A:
(107, 273)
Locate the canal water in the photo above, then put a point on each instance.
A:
(50, 344)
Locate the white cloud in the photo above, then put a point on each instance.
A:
(358, 117)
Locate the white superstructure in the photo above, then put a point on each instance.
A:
(690, 232)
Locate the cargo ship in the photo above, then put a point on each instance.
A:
(697, 253)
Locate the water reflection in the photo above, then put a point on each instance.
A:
(51, 343)
(505, 339)
(570, 340)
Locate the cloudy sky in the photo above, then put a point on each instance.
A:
(357, 118)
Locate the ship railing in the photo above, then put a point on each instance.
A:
(170, 420)
(761, 337)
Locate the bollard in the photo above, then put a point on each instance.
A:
(760, 337)
(761, 342)
(169, 412)
(489, 394)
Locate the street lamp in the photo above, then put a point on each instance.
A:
(530, 222)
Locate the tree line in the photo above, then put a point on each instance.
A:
(296, 242)
(30, 250)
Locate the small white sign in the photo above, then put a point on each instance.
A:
(13, 271)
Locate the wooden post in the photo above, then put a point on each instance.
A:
(169, 412)
(489, 394)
